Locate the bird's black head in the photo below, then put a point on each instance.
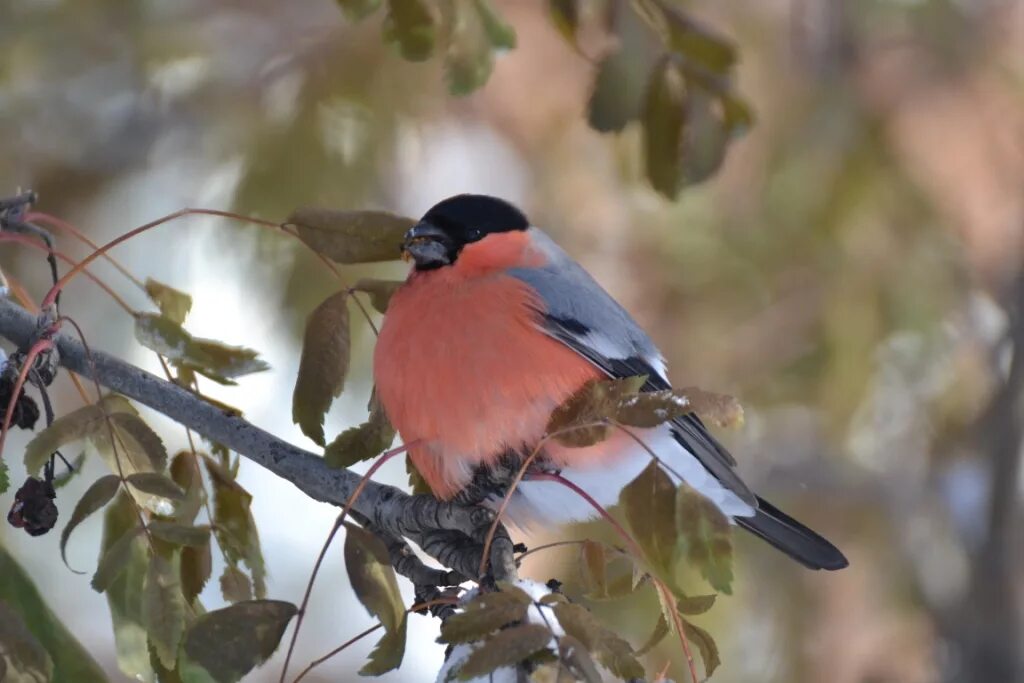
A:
(455, 222)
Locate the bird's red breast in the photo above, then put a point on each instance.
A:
(462, 368)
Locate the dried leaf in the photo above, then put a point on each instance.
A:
(417, 484)
(326, 347)
(696, 604)
(208, 357)
(138, 445)
(372, 577)
(387, 654)
(234, 526)
(174, 305)
(705, 538)
(156, 484)
(235, 585)
(74, 426)
(98, 494)
(664, 120)
(593, 567)
(582, 420)
(651, 408)
(380, 291)
(355, 10)
(660, 631)
(576, 657)
(364, 442)
(482, 616)
(649, 504)
(705, 644)
(163, 608)
(185, 473)
(507, 648)
(115, 559)
(180, 534)
(566, 16)
(228, 643)
(351, 236)
(720, 410)
(613, 652)
(698, 43)
(410, 24)
(196, 567)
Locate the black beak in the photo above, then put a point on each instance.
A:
(427, 245)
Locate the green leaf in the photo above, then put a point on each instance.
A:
(372, 577)
(661, 630)
(705, 644)
(235, 585)
(410, 24)
(500, 32)
(210, 358)
(356, 10)
(507, 648)
(22, 658)
(705, 538)
(573, 654)
(174, 305)
(228, 643)
(696, 42)
(582, 420)
(125, 589)
(664, 120)
(180, 534)
(136, 441)
(196, 568)
(351, 236)
(185, 473)
(115, 559)
(163, 608)
(720, 410)
(95, 497)
(156, 484)
(649, 504)
(618, 92)
(364, 442)
(566, 16)
(613, 652)
(469, 59)
(482, 616)
(5, 480)
(380, 291)
(593, 567)
(326, 350)
(74, 426)
(387, 654)
(417, 484)
(696, 604)
(234, 526)
(18, 595)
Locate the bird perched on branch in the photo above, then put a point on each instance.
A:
(494, 329)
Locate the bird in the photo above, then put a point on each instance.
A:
(494, 328)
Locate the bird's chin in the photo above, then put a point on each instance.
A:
(426, 254)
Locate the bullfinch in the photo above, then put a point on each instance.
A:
(495, 327)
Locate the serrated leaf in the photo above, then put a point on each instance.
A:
(705, 538)
(99, 493)
(234, 526)
(228, 643)
(196, 568)
(574, 655)
(651, 408)
(410, 24)
(720, 410)
(22, 657)
(136, 441)
(156, 484)
(593, 567)
(125, 590)
(235, 585)
(664, 119)
(173, 304)
(5, 480)
(582, 420)
(380, 291)
(115, 559)
(649, 504)
(356, 10)
(326, 349)
(469, 59)
(696, 604)
(482, 616)
(507, 648)
(163, 608)
(184, 472)
(501, 34)
(387, 654)
(705, 644)
(364, 442)
(372, 577)
(180, 534)
(212, 359)
(74, 426)
(351, 236)
(657, 635)
(613, 652)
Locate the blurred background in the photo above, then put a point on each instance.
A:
(850, 273)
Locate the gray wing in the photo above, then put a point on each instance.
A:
(581, 315)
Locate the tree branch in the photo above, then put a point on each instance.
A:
(450, 532)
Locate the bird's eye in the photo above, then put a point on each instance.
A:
(474, 234)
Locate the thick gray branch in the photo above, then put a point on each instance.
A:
(450, 532)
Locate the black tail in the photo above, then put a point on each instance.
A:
(792, 537)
